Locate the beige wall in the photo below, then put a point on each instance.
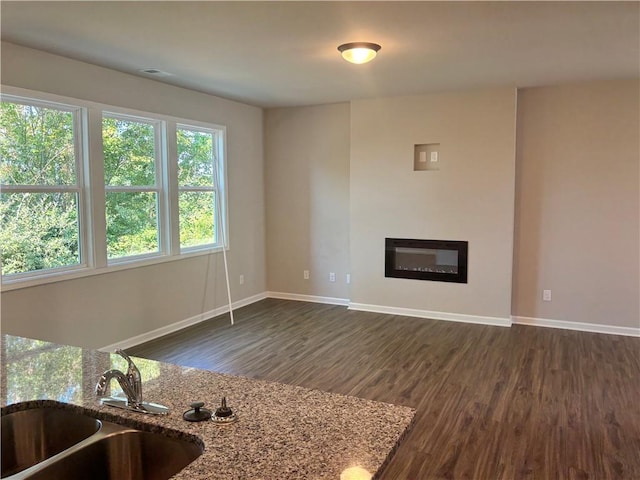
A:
(307, 192)
(337, 179)
(104, 309)
(470, 198)
(577, 214)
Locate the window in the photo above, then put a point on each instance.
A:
(151, 189)
(132, 185)
(198, 160)
(41, 199)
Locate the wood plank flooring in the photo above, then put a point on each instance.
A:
(492, 403)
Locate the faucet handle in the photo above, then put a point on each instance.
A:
(133, 375)
(132, 369)
(122, 353)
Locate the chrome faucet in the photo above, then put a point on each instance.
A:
(131, 383)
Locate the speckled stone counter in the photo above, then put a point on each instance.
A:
(283, 431)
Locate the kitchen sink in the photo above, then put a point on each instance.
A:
(31, 436)
(52, 443)
(131, 455)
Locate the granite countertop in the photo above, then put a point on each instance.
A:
(283, 431)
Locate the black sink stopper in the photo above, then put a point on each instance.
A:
(197, 413)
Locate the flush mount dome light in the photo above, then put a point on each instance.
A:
(359, 52)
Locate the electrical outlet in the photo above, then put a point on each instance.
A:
(546, 295)
(305, 274)
(332, 277)
(241, 279)
(348, 278)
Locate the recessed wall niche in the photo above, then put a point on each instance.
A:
(426, 156)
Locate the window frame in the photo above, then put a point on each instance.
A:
(160, 162)
(218, 175)
(79, 117)
(92, 192)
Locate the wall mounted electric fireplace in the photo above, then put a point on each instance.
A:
(439, 260)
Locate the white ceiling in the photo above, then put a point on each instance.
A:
(285, 53)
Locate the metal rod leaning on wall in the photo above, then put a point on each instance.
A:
(223, 230)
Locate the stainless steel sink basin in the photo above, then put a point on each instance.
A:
(56, 443)
(31, 436)
(128, 455)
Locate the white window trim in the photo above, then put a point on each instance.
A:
(217, 187)
(79, 188)
(160, 187)
(90, 175)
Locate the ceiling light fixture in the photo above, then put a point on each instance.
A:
(359, 52)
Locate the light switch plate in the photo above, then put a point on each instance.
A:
(426, 156)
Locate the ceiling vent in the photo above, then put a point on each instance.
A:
(155, 72)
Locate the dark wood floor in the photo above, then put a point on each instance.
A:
(492, 403)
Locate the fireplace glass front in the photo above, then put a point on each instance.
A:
(439, 260)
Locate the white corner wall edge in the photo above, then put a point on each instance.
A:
(582, 327)
(308, 298)
(450, 317)
(174, 327)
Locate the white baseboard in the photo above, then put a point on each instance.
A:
(409, 312)
(583, 327)
(450, 317)
(308, 298)
(174, 327)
